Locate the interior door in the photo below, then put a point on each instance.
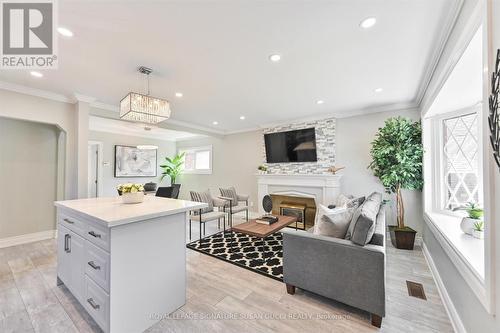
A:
(93, 165)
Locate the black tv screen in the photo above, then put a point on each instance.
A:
(291, 146)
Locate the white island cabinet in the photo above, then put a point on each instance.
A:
(125, 263)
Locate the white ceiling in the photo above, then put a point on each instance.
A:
(216, 54)
(134, 129)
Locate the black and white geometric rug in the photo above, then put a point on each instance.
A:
(245, 251)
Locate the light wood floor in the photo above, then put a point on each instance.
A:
(221, 298)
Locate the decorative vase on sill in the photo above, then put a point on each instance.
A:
(474, 213)
(131, 193)
(467, 225)
(478, 234)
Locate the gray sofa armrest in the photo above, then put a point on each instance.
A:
(336, 268)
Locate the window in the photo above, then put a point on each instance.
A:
(197, 160)
(461, 177)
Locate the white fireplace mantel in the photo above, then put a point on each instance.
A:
(324, 188)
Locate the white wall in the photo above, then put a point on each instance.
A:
(41, 110)
(109, 140)
(473, 316)
(235, 161)
(28, 177)
(354, 137)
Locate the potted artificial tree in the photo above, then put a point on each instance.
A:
(397, 153)
(173, 168)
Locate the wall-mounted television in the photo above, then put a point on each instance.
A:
(291, 146)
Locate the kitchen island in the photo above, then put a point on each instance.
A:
(125, 263)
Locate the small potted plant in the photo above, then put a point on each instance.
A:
(262, 168)
(474, 214)
(478, 231)
(131, 193)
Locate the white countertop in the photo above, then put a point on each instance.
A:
(112, 212)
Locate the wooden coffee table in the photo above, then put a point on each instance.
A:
(252, 228)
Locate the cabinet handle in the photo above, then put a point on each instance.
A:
(93, 304)
(93, 265)
(92, 233)
(68, 221)
(67, 243)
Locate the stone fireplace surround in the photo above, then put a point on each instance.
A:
(323, 188)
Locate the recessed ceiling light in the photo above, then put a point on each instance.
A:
(242, 117)
(36, 74)
(378, 90)
(215, 123)
(320, 102)
(275, 57)
(65, 32)
(368, 22)
(178, 94)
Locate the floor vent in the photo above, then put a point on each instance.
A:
(416, 290)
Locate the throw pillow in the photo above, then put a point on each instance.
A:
(205, 197)
(366, 215)
(355, 202)
(342, 201)
(333, 222)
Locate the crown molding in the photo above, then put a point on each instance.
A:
(438, 49)
(35, 92)
(84, 98)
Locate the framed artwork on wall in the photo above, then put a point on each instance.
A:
(131, 161)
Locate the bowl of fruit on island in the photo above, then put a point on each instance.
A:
(131, 193)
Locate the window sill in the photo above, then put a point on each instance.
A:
(465, 251)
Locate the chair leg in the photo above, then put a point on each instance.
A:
(290, 289)
(204, 229)
(200, 231)
(189, 229)
(247, 214)
(218, 223)
(376, 320)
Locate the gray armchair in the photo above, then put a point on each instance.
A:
(338, 269)
(207, 214)
(237, 202)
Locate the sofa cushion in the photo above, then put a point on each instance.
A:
(366, 216)
(333, 222)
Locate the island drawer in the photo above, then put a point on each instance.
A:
(73, 224)
(97, 265)
(97, 235)
(97, 303)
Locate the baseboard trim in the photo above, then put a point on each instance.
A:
(456, 322)
(27, 238)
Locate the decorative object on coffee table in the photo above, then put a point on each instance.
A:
(494, 116)
(131, 193)
(397, 154)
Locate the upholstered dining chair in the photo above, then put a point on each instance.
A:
(208, 214)
(236, 202)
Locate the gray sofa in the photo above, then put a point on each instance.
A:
(338, 269)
